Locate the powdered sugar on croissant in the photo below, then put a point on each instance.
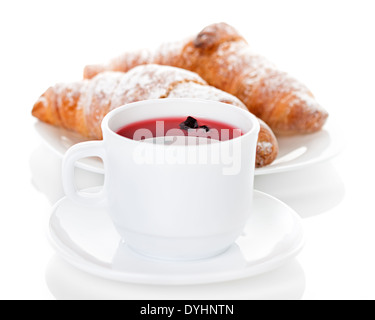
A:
(223, 58)
(81, 106)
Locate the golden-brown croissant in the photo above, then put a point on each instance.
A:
(81, 106)
(222, 57)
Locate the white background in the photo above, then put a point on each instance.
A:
(328, 44)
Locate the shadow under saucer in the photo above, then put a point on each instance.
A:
(68, 283)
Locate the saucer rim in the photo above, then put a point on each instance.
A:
(176, 280)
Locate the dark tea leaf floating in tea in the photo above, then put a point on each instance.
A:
(191, 123)
(205, 128)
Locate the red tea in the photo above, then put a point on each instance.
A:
(190, 126)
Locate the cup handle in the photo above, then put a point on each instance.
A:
(75, 153)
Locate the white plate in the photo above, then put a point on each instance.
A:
(295, 152)
(86, 238)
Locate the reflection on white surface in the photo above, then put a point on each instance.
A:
(294, 154)
(303, 147)
(67, 283)
(310, 192)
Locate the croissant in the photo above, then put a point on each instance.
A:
(222, 57)
(81, 106)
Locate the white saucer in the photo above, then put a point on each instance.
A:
(86, 238)
(294, 152)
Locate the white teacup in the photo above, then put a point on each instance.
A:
(173, 201)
